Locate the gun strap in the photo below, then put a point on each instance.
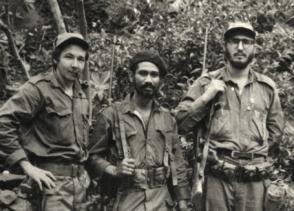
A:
(168, 158)
(122, 132)
(206, 143)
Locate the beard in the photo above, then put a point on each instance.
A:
(146, 90)
(239, 64)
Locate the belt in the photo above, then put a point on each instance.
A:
(60, 169)
(238, 154)
(152, 177)
(248, 173)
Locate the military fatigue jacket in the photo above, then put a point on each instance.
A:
(246, 122)
(42, 122)
(147, 142)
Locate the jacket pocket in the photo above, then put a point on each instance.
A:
(258, 126)
(58, 123)
(58, 112)
(221, 125)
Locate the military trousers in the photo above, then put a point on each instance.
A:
(155, 199)
(221, 195)
(69, 194)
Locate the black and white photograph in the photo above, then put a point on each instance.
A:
(146, 105)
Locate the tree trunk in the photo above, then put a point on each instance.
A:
(86, 74)
(82, 18)
(54, 6)
(13, 48)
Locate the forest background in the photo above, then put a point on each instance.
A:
(177, 29)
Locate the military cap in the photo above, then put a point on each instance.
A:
(71, 38)
(149, 56)
(239, 27)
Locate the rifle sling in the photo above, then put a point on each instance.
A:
(124, 145)
(206, 143)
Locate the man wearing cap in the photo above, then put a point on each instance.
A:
(238, 111)
(44, 129)
(140, 137)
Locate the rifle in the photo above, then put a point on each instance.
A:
(200, 162)
(109, 185)
(121, 129)
(111, 69)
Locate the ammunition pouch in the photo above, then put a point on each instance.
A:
(156, 177)
(276, 195)
(149, 178)
(246, 173)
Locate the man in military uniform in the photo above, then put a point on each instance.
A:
(44, 129)
(150, 155)
(238, 110)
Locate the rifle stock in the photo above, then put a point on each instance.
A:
(124, 145)
(198, 177)
(200, 161)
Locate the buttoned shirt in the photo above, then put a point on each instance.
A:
(147, 142)
(249, 121)
(42, 122)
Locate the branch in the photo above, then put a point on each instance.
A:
(204, 70)
(7, 16)
(82, 18)
(86, 74)
(111, 68)
(54, 6)
(13, 48)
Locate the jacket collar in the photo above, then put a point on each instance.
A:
(77, 89)
(226, 76)
(129, 106)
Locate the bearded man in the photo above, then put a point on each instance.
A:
(238, 111)
(140, 138)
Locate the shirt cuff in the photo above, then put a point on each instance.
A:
(98, 165)
(16, 156)
(182, 193)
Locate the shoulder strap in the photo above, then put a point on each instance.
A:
(206, 143)
(122, 132)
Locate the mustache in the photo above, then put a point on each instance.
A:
(147, 86)
(239, 54)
